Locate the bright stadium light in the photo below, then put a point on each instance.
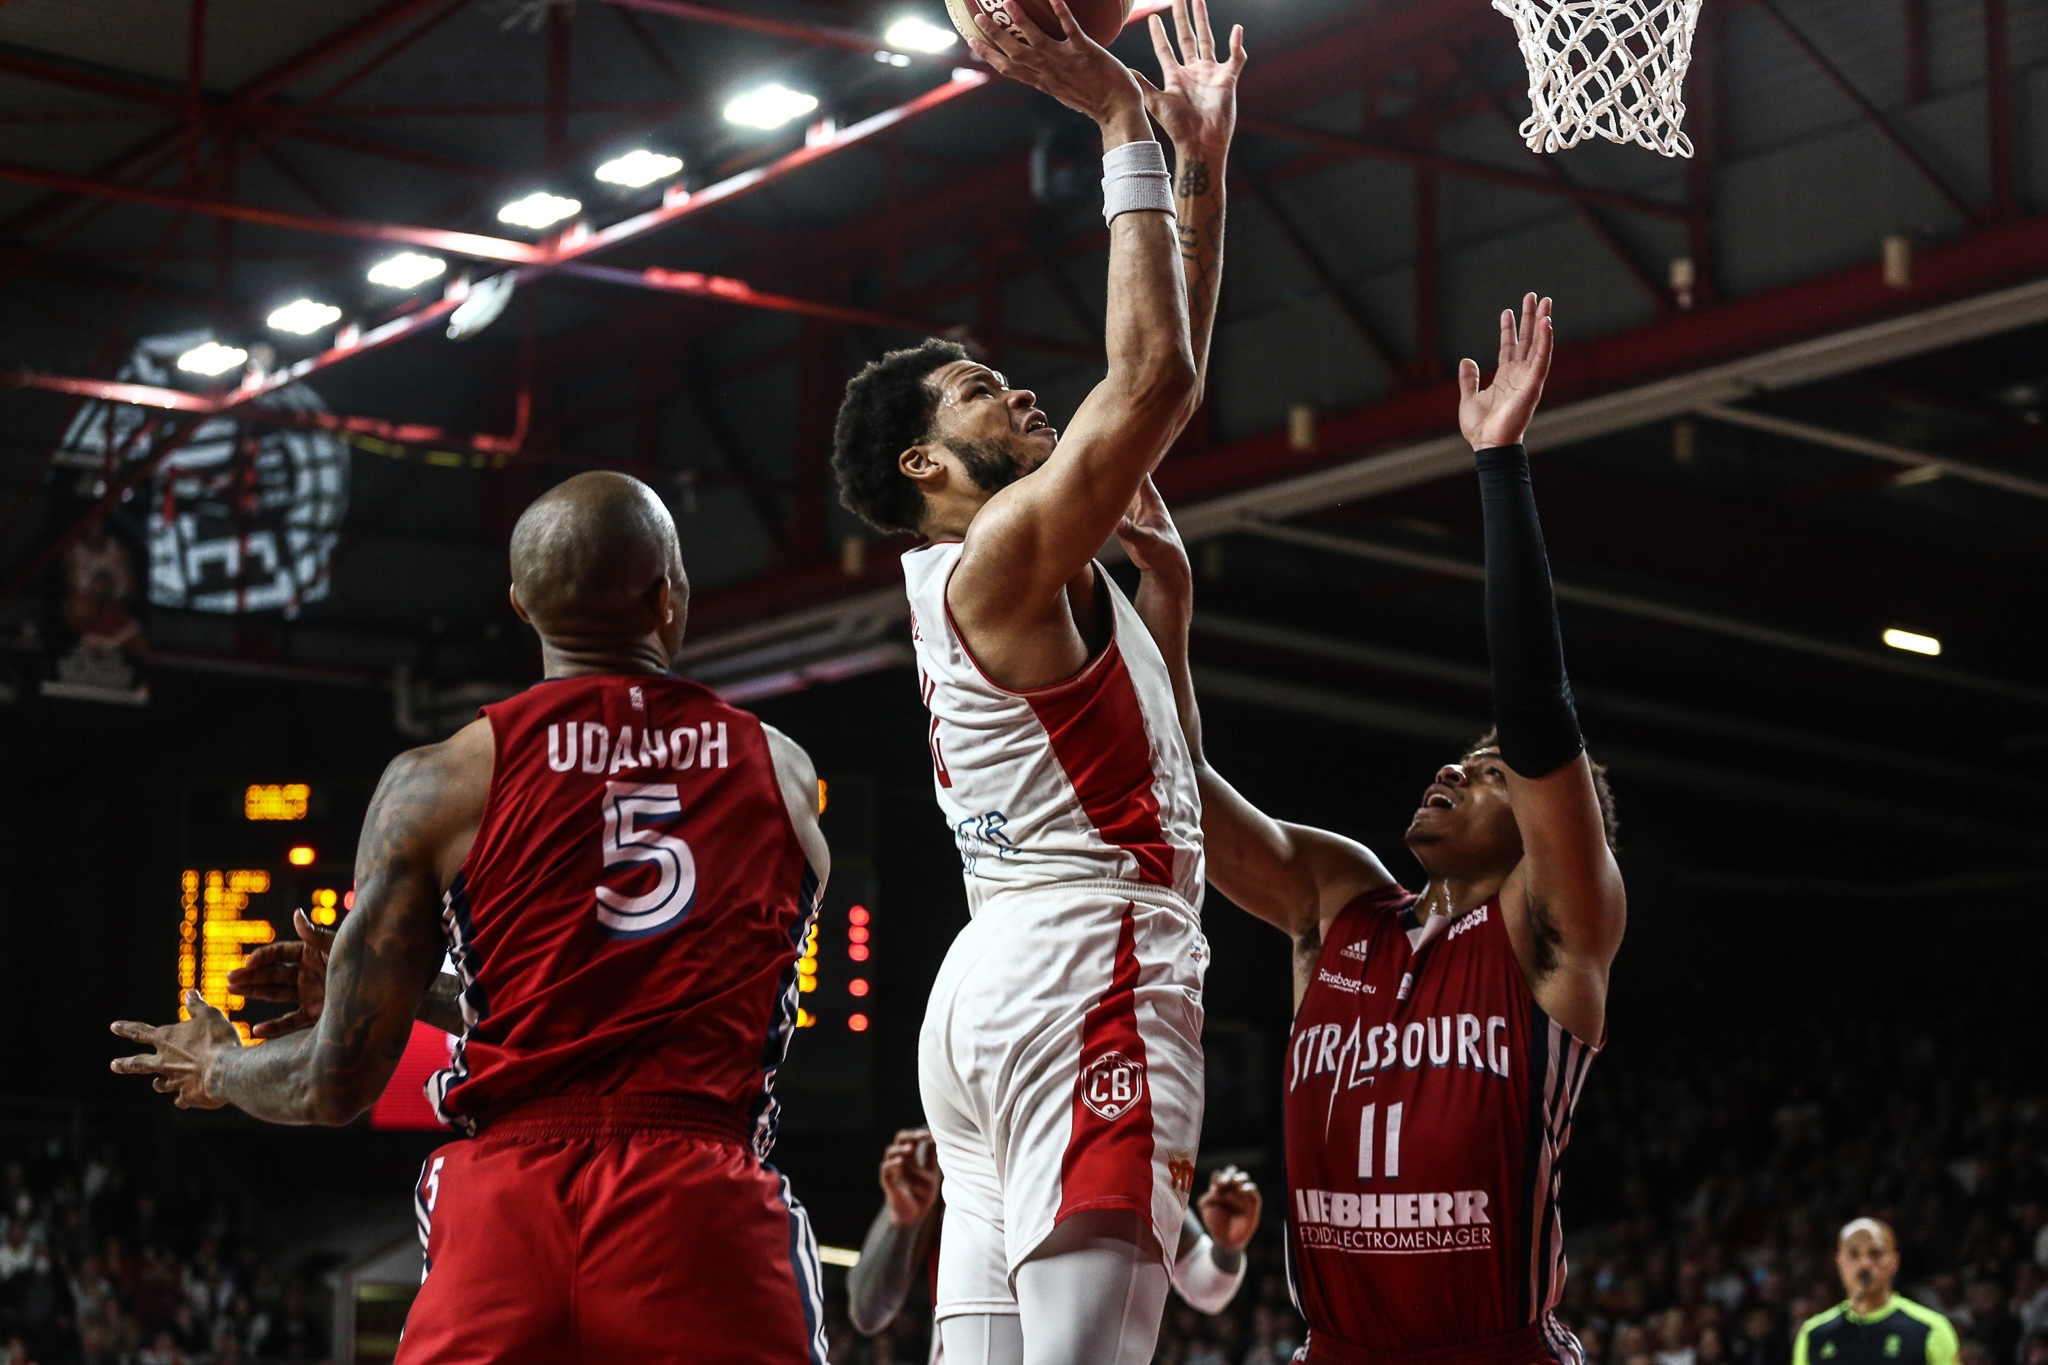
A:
(212, 359)
(914, 34)
(303, 317)
(539, 210)
(406, 270)
(1912, 643)
(769, 107)
(638, 169)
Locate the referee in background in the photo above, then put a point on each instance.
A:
(1874, 1326)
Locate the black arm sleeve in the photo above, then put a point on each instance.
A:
(877, 1286)
(1532, 698)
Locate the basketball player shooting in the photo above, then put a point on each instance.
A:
(623, 868)
(1439, 1040)
(1060, 1061)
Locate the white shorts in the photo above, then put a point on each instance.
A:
(1061, 1069)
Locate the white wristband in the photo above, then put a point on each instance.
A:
(1202, 1283)
(1134, 180)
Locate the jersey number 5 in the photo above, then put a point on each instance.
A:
(627, 843)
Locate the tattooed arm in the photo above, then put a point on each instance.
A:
(1196, 103)
(417, 833)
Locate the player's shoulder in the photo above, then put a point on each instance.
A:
(1933, 1320)
(790, 757)
(1822, 1319)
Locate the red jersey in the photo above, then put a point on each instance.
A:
(628, 922)
(1429, 1099)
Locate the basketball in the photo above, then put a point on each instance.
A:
(1102, 20)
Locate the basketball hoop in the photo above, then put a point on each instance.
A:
(1611, 67)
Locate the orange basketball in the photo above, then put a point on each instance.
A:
(1102, 20)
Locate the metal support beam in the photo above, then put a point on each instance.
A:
(1450, 165)
(1872, 114)
(1968, 470)
(1998, 108)
(1667, 613)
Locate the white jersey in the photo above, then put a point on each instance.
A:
(1088, 780)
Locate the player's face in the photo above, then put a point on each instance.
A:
(994, 432)
(1465, 825)
(1867, 1263)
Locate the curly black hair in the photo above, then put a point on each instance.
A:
(1610, 825)
(888, 409)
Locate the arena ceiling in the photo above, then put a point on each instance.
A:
(1746, 479)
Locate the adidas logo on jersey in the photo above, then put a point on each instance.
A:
(1355, 951)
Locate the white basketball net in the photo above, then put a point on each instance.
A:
(1611, 67)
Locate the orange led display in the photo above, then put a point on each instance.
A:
(213, 937)
(301, 855)
(276, 801)
(323, 906)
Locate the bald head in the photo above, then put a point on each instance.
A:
(591, 559)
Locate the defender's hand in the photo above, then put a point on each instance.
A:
(1078, 72)
(1196, 98)
(183, 1055)
(910, 1176)
(1153, 542)
(293, 973)
(1230, 1210)
(1499, 414)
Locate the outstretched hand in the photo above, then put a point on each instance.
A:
(1153, 542)
(181, 1055)
(293, 973)
(1070, 66)
(1231, 1209)
(1196, 98)
(1498, 415)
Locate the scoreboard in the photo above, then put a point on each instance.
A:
(257, 851)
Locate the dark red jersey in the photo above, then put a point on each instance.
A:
(629, 920)
(1429, 1099)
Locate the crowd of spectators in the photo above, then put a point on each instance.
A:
(1705, 1186)
(99, 1268)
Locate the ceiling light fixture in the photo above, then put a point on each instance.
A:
(539, 209)
(1913, 643)
(406, 270)
(913, 33)
(769, 107)
(638, 169)
(212, 359)
(303, 317)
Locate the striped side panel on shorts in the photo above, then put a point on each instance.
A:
(804, 1264)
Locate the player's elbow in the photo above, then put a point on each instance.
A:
(1162, 381)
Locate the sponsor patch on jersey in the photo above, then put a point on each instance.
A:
(1342, 1220)
(1471, 921)
(1180, 1168)
(1326, 977)
(1355, 951)
(1112, 1085)
(639, 698)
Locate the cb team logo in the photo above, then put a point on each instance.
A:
(1112, 1085)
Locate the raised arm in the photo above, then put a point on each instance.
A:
(1196, 103)
(1040, 532)
(418, 830)
(1565, 901)
(1294, 877)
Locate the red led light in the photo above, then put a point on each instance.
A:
(856, 935)
(858, 952)
(857, 1022)
(348, 900)
(857, 986)
(857, 915)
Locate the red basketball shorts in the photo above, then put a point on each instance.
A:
(554, 1241)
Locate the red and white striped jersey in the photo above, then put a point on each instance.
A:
(1429, 1099)
(1086, 780)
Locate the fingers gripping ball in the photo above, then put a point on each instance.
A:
(1102, 20)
